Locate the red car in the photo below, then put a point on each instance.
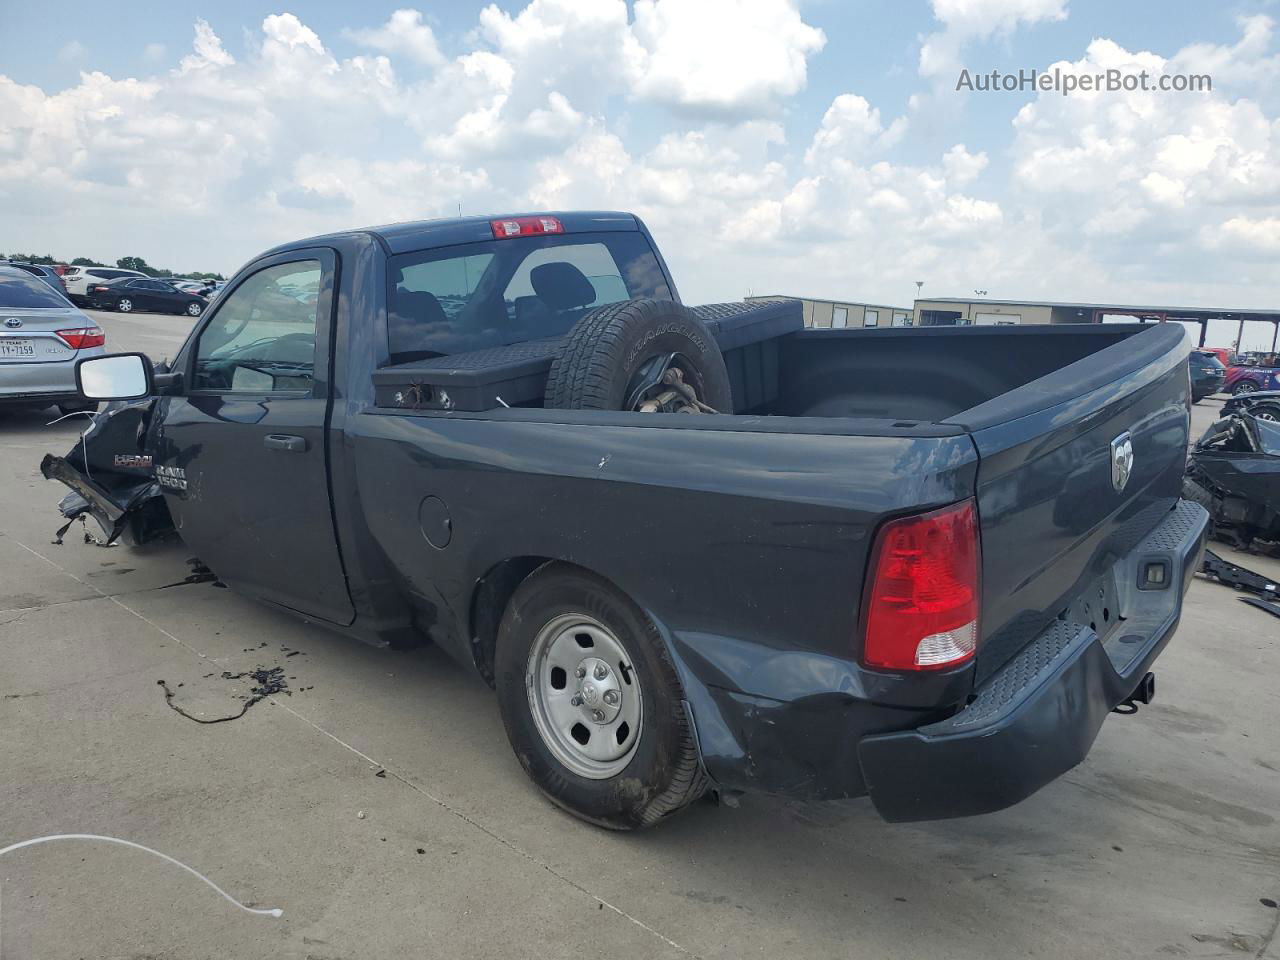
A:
(1264, 375)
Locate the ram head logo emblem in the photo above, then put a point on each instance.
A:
(1121, 460)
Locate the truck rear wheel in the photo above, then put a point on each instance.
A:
(591, 702)
(649, 355)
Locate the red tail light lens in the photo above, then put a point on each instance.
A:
(81, 337)
(525, 227)
(922, 594)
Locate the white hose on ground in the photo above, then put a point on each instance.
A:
(273, 912)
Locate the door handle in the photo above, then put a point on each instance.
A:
(278, 441)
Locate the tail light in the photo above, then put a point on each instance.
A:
(101, 290)
(81, 337)
(525, 227)
(921, 602)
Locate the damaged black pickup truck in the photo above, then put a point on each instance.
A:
(692, 548)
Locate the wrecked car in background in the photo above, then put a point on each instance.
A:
(1234, 473)
(1263, 404)
(812, 576)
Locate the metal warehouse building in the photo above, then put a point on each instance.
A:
(845, 313)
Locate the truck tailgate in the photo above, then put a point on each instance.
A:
(1056, 508)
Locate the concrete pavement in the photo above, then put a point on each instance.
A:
(1163, 843)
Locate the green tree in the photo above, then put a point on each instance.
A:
(135, 263)
(86, 262)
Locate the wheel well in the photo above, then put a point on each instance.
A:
(489, 602)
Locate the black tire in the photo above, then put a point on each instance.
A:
(1244, 387)
(663, 774)
(605, 348)
(193, 309)
(1265, 411)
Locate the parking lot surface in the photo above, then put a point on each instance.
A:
(1163, 843)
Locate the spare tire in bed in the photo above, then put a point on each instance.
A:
(639, 355)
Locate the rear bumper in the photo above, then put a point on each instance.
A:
(44, 383)
(1038, 716)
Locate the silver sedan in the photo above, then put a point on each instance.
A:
(41, 337)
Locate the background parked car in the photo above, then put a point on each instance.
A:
(47, 274)
(1207, 374)
(77, 280)
(41, 337)
(1262, 374)
(128, 294)
(1225, 355)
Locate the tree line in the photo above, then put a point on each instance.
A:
(124, 263)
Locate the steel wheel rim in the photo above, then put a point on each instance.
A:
(193, 309)
(1266, 414)
(124, 306)
(1246, 387)
(575, 657)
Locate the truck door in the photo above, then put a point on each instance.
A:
(242, 452)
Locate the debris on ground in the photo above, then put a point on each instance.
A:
(267, 681)
(1266, 591)
(1224, 571)
(199, 574)
(1266, 606)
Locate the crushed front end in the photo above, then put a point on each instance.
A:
(1234, 473)
(112, 478)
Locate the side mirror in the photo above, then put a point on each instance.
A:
(119, 376)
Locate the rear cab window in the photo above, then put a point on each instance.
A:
(497, 292)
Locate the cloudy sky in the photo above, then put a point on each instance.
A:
(815, 148)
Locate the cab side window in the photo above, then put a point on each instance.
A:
(263, 337)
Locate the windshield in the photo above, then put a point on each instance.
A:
(498, 292)
(23, 290)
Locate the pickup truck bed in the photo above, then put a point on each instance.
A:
(742, 550)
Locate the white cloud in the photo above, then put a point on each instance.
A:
(1165, 187)
(404, 34)
(851, 128)
(1258, 238)
(758, 58)
(72, 50)
(207, 50)
(961, 166)
(967, 21)
(564, 104)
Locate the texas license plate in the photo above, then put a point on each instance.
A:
(13, 349)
